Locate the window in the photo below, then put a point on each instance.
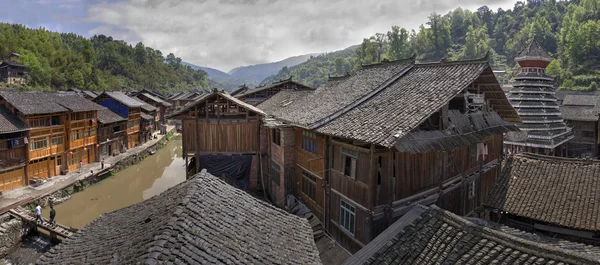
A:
(277, 136)
(347, 216)
(57, 140)
(58, 161)
(349, 158)
(309, 141)
(309, 185)
(39, 143)
(275, 172)
(588, 134)
(89, 115)
(471, 189)
(76, 135)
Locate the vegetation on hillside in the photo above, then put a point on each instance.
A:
(569, 30)
(61, 61)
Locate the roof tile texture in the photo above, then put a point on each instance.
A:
(559, 191)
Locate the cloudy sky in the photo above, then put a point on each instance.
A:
(227, 33)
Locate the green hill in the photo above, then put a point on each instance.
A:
(61, 61)
(568, 30)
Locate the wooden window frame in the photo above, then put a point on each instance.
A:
(276, 137)
(471, 190)
(57, 140)
(349, 156)
(309, 141)
(347, 217)
(309, 185)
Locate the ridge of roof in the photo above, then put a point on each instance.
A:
(386, 62)
(123, 99)
(533, 50)
(443, 61)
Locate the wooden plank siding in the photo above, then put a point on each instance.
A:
(313, 164)
(225, 137)
(12, 179)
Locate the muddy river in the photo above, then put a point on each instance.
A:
(134, 184)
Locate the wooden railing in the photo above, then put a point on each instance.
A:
(83, 142)
(39, 153)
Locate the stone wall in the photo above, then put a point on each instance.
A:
(11, 232)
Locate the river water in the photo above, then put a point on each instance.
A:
(134, 184)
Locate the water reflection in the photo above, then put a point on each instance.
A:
(152, 176)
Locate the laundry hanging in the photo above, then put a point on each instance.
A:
(25, 140)
(482, 151)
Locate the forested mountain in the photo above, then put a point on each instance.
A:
(259, 72)
(211, 72)
(65, 60)
(569, 30)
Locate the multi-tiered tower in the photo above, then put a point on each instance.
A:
(543, 129)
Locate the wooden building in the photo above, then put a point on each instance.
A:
(369, 146)
(13, 150)
(221, 134)
(148, 122)
(162, 109)
(430, 235)
(112, 133)
(63, 130)
(549, 195)
(179, 100)
(259, 94)
(127, 107)
(581, 112)
(12, 72)
(533, 96)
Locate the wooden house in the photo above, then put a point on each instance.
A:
(13, 150)
(63, 130)
(148, 121)
(128, 108)
(430, 235)
(179, 100)
(548, 195)
(221, 134)
(581, 113)
(12, 72)
(112, 133)
(162, 109)
(241, 89)
(259, 94)
(369, 146)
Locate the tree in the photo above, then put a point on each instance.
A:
(553, 68)
(398, 42)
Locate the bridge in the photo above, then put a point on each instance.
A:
(54, 229)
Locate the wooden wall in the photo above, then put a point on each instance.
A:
(315, 165)
(228, 136)
(12, 179)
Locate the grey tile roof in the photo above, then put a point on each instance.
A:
(145, 106)
(106, 116)
(157, 100)
(581, 100)
(289, 81)
(9, 122)
(339, 93)
(201, 221)
(222, 94)
(124, 99)
(282, 99)
(558, 191)
(91, 94)
(30, 103)
(534, 50)
(73, 102)
(146, 116)
(580, 113)
(430, 235)
(406, 103)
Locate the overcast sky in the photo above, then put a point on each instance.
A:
(224, 34)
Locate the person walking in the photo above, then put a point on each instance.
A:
(38, 214)
(52, 215)
(80, 166)
(102, 163)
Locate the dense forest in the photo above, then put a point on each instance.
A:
(61, 61)
(568, 30)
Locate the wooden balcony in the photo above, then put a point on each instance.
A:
(83, 142)
(41, 153)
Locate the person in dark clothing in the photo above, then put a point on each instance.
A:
(102, 163)
(52, 215)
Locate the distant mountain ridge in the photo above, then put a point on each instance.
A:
(259, 72)
(249, 75)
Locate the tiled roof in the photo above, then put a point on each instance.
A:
(430, 235)
(157, 100)
(238, 90)
(146, 116)
(91, 94)
(533, 50)
(580, 113)
(272, 85)
(282, 99)
(222, 94)
(13, 64)
(9, 122)
(72, 101)
(145, 106)
(124, 99)
(406, 103)
(558, 191)
(106, 116)
(30, 103)
(339, 93)
(201, 221)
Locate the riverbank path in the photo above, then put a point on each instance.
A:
(21, 196)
